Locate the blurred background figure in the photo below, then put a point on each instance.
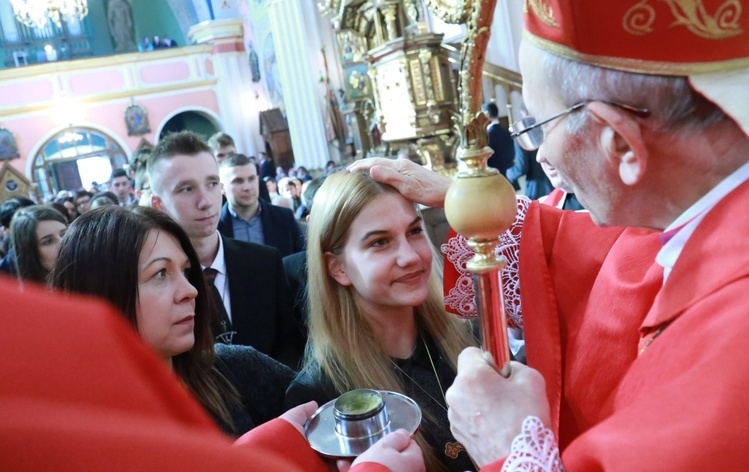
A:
(36, 233)
(499, 140)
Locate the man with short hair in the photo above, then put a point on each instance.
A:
(252, 304)
(246, 217)
(647, 122)
(499, 140)
(222, 146)
(121, 186)
(83, 201)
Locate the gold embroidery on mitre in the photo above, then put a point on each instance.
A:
(542, 9)
(689, 13)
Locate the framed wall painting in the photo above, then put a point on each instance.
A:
(8, 147)
(136, 119)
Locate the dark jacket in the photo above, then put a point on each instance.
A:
(503, 146)
(260, 301)
(295, 267)
(537, 184)
(280, 229)
(260, 381)
(418, 375)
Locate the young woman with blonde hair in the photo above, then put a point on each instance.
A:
(376, 316)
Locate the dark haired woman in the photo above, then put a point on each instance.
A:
(141, 261)
(36, 233)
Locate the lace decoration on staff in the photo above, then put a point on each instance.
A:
(462, 297)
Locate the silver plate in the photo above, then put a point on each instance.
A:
(403, 413)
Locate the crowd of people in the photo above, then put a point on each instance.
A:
(229, 315)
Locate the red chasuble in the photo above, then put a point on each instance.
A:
(79, 391)
(590, 294)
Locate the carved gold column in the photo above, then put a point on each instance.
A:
(480, 203)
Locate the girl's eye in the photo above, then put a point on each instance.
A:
(379, 242)
(417, 230)
(160, 274)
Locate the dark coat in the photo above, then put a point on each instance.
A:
(503, 146)
(260, 381)
(280, 229)
(537, 184)
(267, 169)
(295, 267)
(260, 301)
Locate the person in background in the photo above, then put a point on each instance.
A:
(36, 233)
(222, 146)
(251, 301)
(103, 199)
(246, 217)
(267, 168)
(537, 184)
(121, 185)
(303, 174)
(7, 209)
(499, 141)
(295, 266)
(275, 198)
(83, 201)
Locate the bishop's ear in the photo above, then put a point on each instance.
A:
(621, 138)
(336, 269)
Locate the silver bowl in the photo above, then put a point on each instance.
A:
(352, 423)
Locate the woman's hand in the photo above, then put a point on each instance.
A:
(299, 415)
(396, 451)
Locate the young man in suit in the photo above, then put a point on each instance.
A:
(246, 217)
(253, 304)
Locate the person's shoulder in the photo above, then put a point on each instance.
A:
(248, 360)
(276, 211)
(236, 248)
(296, 259)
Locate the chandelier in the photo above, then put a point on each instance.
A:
(36, 13)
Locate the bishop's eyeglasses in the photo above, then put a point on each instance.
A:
(529, 133)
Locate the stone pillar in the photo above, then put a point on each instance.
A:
(234, 92)
(303, 105)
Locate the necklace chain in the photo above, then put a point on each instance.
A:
(436, 376)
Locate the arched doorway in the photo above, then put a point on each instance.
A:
(74, 159)
(190, 120)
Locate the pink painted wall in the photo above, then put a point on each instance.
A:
(31, 131)
(48, 114)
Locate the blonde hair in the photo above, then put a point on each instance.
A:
(342, 343)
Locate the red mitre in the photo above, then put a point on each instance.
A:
(668, 37)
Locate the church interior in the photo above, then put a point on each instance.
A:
(85, 86)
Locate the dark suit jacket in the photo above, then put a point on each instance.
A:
(537, 184)
(503, 147)
(260, 301)
(267, 169)
(280, 229)
(295, 267)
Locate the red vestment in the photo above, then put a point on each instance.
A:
(681, 403)
(79, 391)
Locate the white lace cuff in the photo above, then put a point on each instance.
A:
(535, 449)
